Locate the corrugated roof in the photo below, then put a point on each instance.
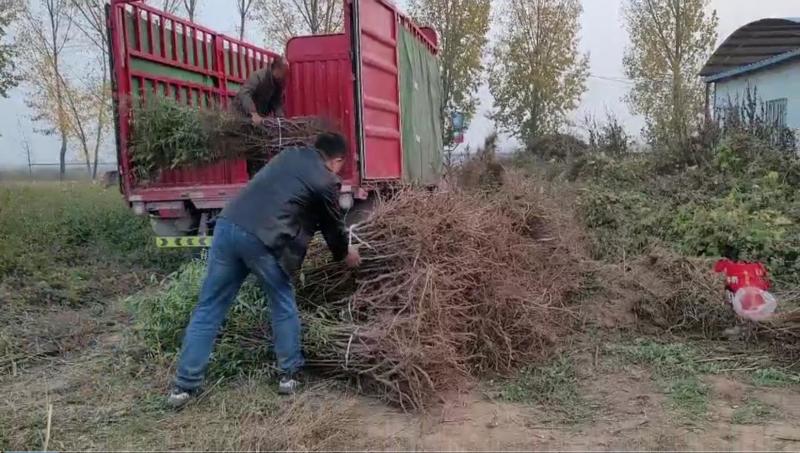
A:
(756, 42)
(755, 66)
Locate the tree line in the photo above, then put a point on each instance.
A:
(534, 68)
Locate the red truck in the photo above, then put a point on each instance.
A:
(378, 81)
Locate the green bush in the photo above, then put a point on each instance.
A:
(245, 341)
(745, 197)
(162, 317)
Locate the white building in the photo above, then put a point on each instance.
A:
(762, 57)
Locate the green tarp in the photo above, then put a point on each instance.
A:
(420, 94)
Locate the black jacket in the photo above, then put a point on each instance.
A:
(261, 93)
(287, 202)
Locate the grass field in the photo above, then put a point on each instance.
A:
(71, 243)
(74, 375)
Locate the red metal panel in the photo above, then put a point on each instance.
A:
(204, 54)
(216, 193)
(375, 36)
(321, 84)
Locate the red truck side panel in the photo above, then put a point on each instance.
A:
(372, 25)
(157, 53)
(375, 31)
(321, 84)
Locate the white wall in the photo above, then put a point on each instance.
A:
(774, 82)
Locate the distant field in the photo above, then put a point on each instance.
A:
(50, 173)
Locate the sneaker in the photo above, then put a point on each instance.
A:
(179, 397)
(288, 385)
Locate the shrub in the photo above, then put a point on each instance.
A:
(608, 137)
(745, 197)
(162, 316)
(557, 147)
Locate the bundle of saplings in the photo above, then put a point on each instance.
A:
(167, 135)
(453, 286)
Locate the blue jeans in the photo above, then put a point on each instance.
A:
(234, 254)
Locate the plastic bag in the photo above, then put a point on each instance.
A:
(754, 303)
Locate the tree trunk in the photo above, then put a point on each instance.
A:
(88, 161)
(101, 120)
(63, 157)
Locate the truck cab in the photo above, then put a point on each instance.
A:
(378, 82)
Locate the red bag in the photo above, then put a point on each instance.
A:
(740, 274)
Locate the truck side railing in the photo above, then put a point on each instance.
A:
(157, 53)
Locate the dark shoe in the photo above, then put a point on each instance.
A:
(179, 397)
(289, 384)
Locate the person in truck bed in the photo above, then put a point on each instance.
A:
(262, 93)
(265, 230)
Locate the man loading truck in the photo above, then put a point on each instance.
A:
(262, 93)
(292, 197)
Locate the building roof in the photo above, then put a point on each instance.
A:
(754, 46)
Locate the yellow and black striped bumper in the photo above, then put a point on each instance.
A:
(184, 242)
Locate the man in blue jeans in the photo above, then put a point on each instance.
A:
(265, 230)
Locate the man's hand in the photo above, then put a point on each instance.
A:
(256, 118)
(353, 258)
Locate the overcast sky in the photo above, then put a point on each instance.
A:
(602, 35)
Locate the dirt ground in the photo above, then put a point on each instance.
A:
(102, 393)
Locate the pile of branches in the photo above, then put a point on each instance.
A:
(169, 135)
(679, 294)
(782, 332)
(452, 286)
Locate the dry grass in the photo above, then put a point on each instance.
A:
(782, 333)
(679, 294)
(314, 421)
(108, 398)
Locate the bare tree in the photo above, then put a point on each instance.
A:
(190, 8)
(243, 7)
(92, 22)
(283, 19)
(96, 97)
(170, 6)
(26, 144)
(44, 34)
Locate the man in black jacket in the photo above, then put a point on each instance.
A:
(265, 230)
